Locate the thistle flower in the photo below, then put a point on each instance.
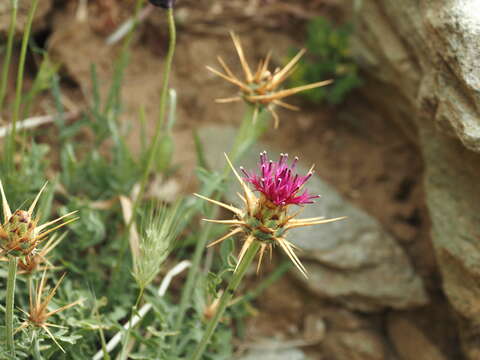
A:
(278, 183)
(20, 234)
(262, 88)
(39, 312)
(154, 245)
(266, 218)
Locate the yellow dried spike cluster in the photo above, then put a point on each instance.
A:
(261, 88)
(39, 313)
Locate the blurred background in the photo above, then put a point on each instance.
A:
(395, 141)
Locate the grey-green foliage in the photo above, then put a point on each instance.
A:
(328, 57)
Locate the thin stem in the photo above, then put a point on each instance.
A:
(8, 54)
(158, 128)
(36, 347)
(246, 135)
(279, 271)
(10, 300)
(20, 74)
(192, 276)
(225, 299)
(162, 111)
(124, 354)
(102, 336)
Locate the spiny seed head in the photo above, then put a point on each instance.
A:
(19, 233)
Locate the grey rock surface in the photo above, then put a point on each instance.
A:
(274, 350)
(423, 60)
(353, 261)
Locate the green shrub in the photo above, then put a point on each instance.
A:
(328, 57)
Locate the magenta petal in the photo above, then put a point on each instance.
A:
(278, 182)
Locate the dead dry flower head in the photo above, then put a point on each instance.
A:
(262, 88)
(39, 312)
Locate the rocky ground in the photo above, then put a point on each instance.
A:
(400, 278)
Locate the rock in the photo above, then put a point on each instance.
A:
(353, 261)
(43, 8)
(314, 329)
(411, 343)
(354, 345)
(453, 198)
(421, 60)
(274, 350)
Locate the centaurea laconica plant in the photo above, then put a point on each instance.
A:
(262, 222)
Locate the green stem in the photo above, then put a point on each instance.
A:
(246, 135)
(10, 300)
(192, 276)
(18, 92)
(225, 299)
(8, 54)
(124, 354)
(279, 271)
(37, 355)
(162, 111)
(102, 335)
(158, 128)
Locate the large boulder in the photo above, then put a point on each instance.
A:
(421, 59)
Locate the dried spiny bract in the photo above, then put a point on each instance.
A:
(39, 312)
(20, 233)
(37, 260)
(265, 218)
(261, 88)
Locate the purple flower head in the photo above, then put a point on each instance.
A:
(278, 181)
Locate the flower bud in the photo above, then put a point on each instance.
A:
(19, 236)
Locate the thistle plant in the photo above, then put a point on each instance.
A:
(262, 87)
(20, 235)
(263, 222)
(39, 312)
